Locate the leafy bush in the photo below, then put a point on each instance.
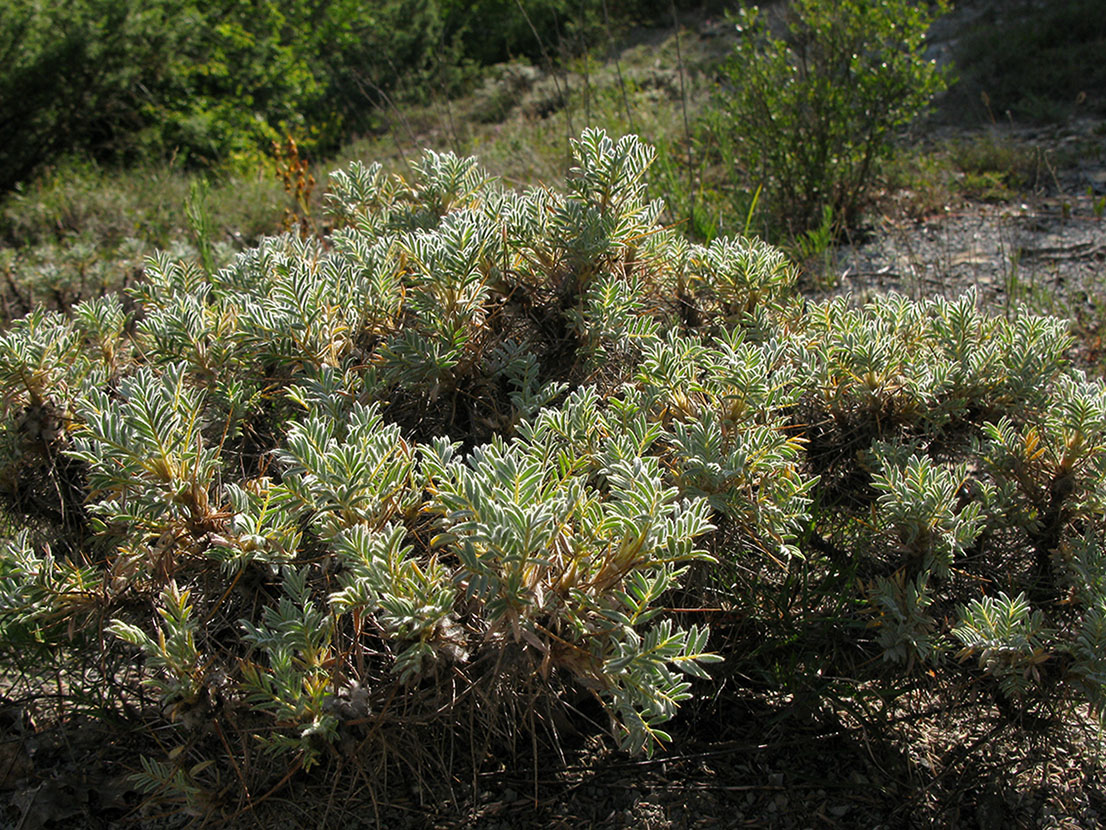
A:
(447, 469)
(809, 104)
(214, 84)
(123, 80)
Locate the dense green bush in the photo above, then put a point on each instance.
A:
(447, 469)
(809, 103)
(149, 77)
(217, 83)
(209, 82)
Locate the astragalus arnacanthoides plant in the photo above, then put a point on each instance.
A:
(447, 468)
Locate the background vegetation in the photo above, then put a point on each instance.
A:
(217, 83)
(1040, 65)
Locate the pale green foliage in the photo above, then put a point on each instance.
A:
(263, 528)
(442, 183)
(918, 512)
(448, 273)
(543, 550)
(33, 349)
(295, 636)
(906, 630)
(606, 213)
(476, 445)
(543, 533)
(1089, 653)
(740, 274)
(40, 593)
(1084, 562)
(519, 368)
(613, 320)
(726, 437)
(347, 472)
(1055, 459)
(932, 363)
(1007, 638)
(148, 465)
(101, 322)
(360, 194)
(412, 601)
(918, 507)
(916, 386)
(647, 691)
(178, 679)
(176, 780)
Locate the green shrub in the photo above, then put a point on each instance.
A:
(215, 84)
(124, 80)
(808, 104)
(446, 469)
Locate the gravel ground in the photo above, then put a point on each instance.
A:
(1046, 247)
